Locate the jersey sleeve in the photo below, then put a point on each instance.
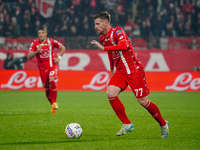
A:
(32, 47)
(120, 40)
(55, 43)
(120, 35)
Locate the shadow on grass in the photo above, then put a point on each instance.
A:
(52, 142)
(65, 140)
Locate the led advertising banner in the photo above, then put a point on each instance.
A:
(97, 80)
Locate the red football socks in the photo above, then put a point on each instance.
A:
(53, 91)
(119, 109)
(47, 91)
(155, 112)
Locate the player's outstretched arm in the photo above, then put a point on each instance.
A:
(122, 45)
(94, 42)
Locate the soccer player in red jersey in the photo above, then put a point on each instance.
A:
(43, 49)
(129, 71)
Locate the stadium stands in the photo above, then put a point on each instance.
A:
(150, 21)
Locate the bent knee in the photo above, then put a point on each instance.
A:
(143, 101)
(110, 93)
(113, 91)
(51, 78)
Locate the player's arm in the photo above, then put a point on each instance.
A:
(119, 37)
(94, 42)
(111, 72)
(62, 51)
(32, 54)
(122, 45)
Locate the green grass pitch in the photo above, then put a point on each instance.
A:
(26, 121)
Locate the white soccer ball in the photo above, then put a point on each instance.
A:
(73, 130)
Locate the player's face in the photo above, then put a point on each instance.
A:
(42, 35)
(100, 26)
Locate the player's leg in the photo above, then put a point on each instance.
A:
(47, 91)
(140, 89)
(153, 109)
(115, 86)
(117, 105)
(52, 82)
(53, 88)
(45, 81)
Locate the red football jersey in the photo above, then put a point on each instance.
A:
(46, 55)
(124, 60)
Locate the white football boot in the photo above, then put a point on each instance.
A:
(165, 130)
(125, 128)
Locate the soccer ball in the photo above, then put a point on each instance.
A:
(73, 130)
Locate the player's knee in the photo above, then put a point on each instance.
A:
(112, 92)
(51, 78)
(143, 101)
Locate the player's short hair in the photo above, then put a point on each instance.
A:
(103, 15)
(42, 28)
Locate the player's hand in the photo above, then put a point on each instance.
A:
(39, 47)
(56, 60)
(94, 42)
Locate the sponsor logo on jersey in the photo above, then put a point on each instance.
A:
(42, 44)
(118, 32)
(44, 53)
(107, 40)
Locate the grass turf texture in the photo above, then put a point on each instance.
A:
(26, 121)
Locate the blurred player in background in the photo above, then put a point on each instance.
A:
(129, 71)
(43, 49)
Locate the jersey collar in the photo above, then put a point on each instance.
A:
(108, 33)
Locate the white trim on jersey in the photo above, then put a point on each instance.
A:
(124, 62)
(111, 37)
(121, 56)
(50, 53)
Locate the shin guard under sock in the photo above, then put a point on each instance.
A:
(53, 91)
(119, 109)
(155, 112)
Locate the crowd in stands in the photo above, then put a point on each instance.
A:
(152, 18)
(171, 18)
(21, 18)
